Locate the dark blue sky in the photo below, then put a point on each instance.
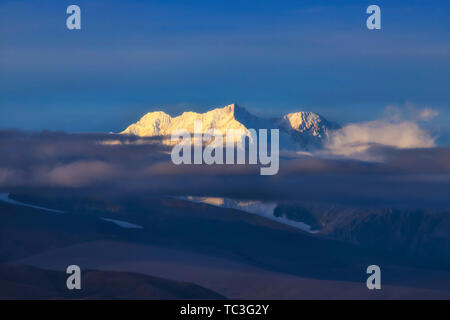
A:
(272, 57)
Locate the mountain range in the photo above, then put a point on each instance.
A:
(304, 130)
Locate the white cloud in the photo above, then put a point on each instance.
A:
(409, 111)
(355, 139)
(427, 114)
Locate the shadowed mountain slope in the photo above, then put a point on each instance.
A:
(26, 282)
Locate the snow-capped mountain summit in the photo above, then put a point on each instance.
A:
(306, 128)
(160, 124)
(301, 129)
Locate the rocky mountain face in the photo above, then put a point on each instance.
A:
(297, 130)
(419, 234)
(306, 128)
(422, 235)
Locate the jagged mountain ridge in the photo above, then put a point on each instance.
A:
(301, 129)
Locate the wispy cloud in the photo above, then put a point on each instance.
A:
(355, 139)
(399, 128)
(428, 114)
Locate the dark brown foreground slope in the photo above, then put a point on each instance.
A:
(25, 282)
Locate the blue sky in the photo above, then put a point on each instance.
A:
(272, 57)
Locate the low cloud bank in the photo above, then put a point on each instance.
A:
(408, 176)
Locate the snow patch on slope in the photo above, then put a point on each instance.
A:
(123, 224)
(5, 198)
(264, 209)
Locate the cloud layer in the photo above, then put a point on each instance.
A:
(412, 176)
